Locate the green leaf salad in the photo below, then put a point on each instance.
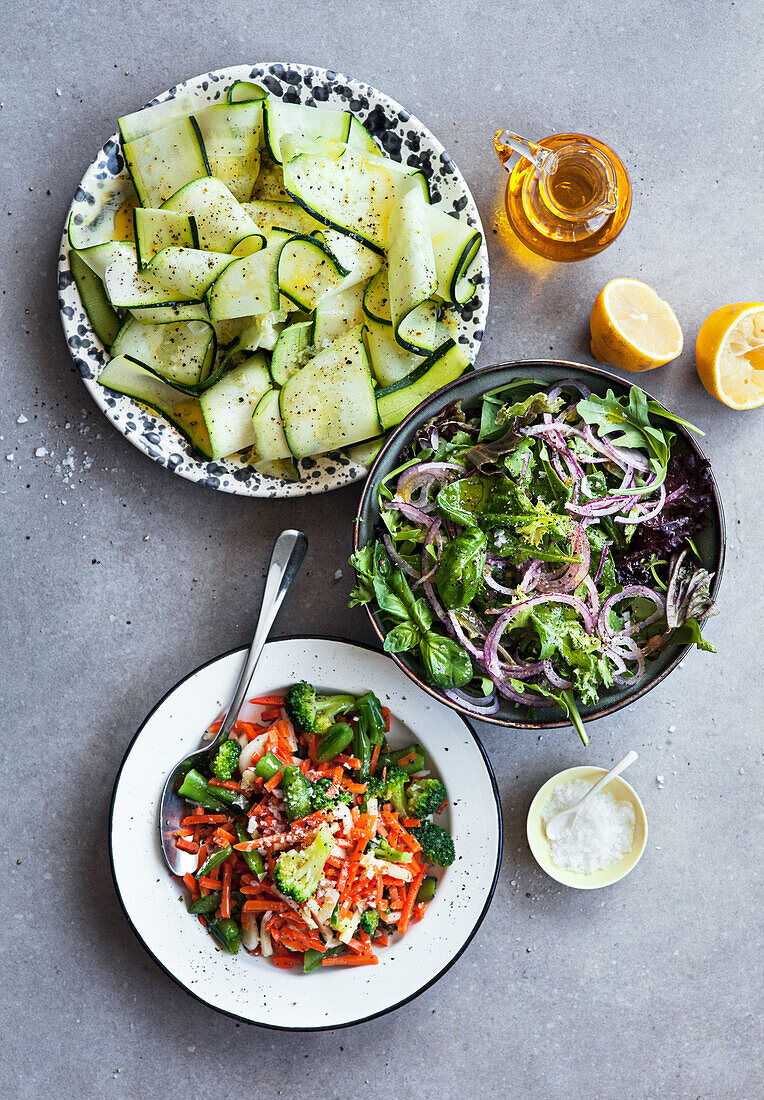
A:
(540, 546)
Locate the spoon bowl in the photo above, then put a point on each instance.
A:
(286, 558)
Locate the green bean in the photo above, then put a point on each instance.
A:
(268, 766)
(335, 740)
(205, 905)
(227, 932)
(213, 861)
(196, 789)
(253, 859)
(427, 890)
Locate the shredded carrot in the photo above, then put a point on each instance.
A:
(375, 758)
(186, 845)
(350, 960)
(411, 822)
(386, 716)
(408, 907)
(409, 758)
(227, 784)
(192, 885)
(285, 961)
(268, 700)
(262, 905)
(210, 883)
(274, 781)
(205, 819)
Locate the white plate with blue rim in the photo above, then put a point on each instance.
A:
(402, 137)
(251, 988)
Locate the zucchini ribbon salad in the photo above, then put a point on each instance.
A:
(539, 547)
(282, 286)
(313, 838)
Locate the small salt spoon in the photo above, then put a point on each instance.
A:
(562, 823)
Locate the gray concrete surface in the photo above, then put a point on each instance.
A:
(117, 578)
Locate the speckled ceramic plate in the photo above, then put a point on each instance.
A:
(250, 988)
(401, 135)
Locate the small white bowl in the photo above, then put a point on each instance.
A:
(539, 844)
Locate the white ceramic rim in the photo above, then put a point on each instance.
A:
(177, 943)
(546, 864)
(344, 471)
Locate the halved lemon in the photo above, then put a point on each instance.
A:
(632, 328)
(729, 355)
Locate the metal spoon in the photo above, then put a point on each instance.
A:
(562, 824)
(286, 559)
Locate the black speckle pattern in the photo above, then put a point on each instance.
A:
(401, 136)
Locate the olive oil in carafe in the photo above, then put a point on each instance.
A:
(567, 197)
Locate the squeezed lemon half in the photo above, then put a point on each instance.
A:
(729, 355)
(632, 328)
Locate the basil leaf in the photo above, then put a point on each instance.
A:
(446, 663)
(388, 601)
(463, 500)
(461, 567)
(401, 638)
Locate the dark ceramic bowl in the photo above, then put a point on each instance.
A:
(469, 388)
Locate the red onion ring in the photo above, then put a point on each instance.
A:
(474, 703)
(646, 515)
(409, 511)
(554, 679)
(630, 592)
(490, 650)
(436, 470)
(433, 535)
(396, 558)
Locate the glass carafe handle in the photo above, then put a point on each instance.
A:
(507, 144)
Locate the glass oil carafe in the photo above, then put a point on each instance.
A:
(568, 196)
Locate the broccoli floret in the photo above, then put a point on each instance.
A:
(298, 873)
(369, 921)
(224, 764)
(425, 797)
(314, 713)
(320, 799)
(437, 845)
(375, 786)
(395, 779)
(382, 850)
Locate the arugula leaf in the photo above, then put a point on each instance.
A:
(363, 563)
(690, 632)
(564, 700)
(629, 426)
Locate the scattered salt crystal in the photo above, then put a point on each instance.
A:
(672, 729)
(338, 575)
(40, 452)
(741, 771)
(58, 91)
(603, 832)
(10, 457)
(659, 779)
(21, 419)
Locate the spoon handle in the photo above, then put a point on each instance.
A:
(286, 558)
(621, 766)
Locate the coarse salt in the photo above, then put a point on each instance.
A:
(603, 832)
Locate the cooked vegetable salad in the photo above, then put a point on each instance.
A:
(540, 546)
(313, 837)
(281, 286)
